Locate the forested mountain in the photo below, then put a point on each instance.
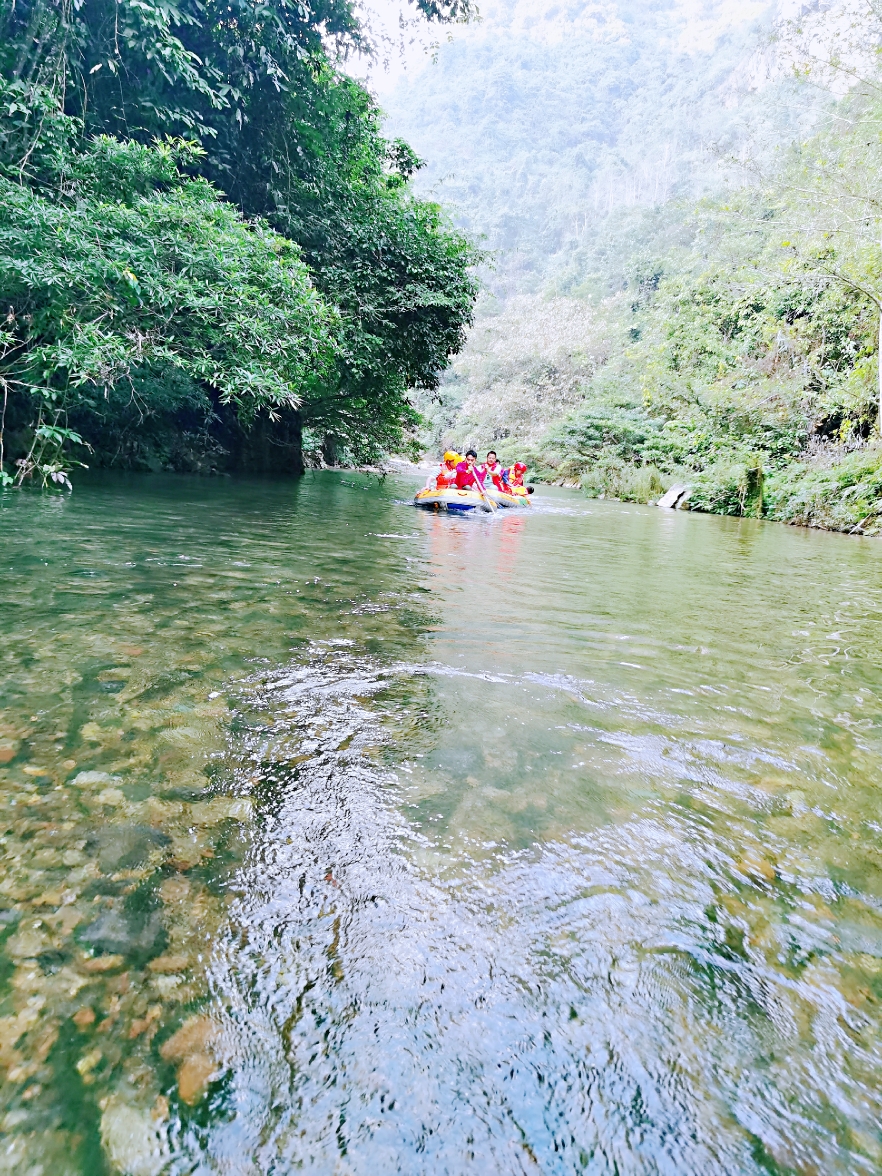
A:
(208, 250)
(542, 120)
(681, 201)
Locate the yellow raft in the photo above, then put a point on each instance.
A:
(464, 501)
(503, 499)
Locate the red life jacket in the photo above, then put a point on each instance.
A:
(446, 477)
(514, 478)
(493, 472)
(465, 476)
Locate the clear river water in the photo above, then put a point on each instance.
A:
(341, 838)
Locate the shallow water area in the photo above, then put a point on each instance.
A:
(340, 837)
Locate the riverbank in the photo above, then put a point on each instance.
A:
(836, 490)
(731, 344)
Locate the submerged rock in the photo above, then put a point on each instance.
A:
(174, 890)
(756, 867)
(194, 1077)
(135, 1143)
(127, 933)
(193, 1047)
(125, 847)
(197, 1035)
(8, 751)
(29, 942)
(90, 779)
(169, 964)
(111, 796)
(105, 963)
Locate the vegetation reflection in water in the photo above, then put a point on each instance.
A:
(308, 869)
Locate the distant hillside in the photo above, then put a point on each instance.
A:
(688, 274)
(536, 127)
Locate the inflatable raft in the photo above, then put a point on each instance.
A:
(503, 499)
(463, 501)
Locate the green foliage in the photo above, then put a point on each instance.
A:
(732, 486)
(36, 138)
(125, 269)
(758, 344)
(610, 478)
(398, 273)
(625, 433)
(93, 93)
(139, 68)
(843, 493)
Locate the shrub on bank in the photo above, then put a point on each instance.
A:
(844, 495)
(730, 487)
(630, 483)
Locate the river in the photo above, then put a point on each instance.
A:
(342, 838)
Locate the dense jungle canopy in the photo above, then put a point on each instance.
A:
(209, 254)
(682, 202)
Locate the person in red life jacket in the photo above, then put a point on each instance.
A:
(513, 478)
(446, 476)
(491, 469)
(466, 477)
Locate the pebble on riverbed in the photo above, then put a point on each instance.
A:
(192, 1046)
(754, 865)
(135, 1142)
(168, 964)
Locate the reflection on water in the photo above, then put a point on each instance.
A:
(345, 839)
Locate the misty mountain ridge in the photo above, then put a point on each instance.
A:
(536, 126)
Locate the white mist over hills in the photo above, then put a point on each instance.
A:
(540, 120)
(691, 26)
(575, 140)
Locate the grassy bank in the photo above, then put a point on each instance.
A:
(835, 491)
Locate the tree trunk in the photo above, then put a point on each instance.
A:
(329, 449)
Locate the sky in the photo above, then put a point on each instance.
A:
(405, 41)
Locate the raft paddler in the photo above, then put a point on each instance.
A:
(513, 478)
(466, 475)
(491, 469)
(446, 476)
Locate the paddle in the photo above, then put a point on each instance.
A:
(491, 505)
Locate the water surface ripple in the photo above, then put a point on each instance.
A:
(373, 841)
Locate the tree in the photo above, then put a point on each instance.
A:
(399, 275)
(289, 139)
(119, 268)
